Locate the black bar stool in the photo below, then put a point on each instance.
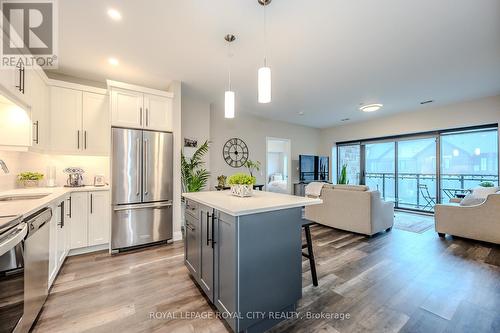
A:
(310, 253)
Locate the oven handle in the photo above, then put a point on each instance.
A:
(14, 238)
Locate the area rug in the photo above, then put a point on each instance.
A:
(412, 224)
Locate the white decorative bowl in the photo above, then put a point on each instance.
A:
(242, 190)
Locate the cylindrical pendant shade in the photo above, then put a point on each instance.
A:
(229, 104)
(264, 81)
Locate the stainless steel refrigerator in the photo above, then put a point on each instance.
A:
(141, 187)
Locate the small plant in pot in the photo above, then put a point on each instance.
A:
(29, 179)
(241, 184)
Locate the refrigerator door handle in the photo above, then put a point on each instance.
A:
(142, 206)
(138, 167)
(146, 166)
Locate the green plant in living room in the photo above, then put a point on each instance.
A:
(343, 175)
(194, 175)
(241, 179)
(486, 184)
(29, 179)
(252, 166)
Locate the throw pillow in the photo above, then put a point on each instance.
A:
(471, 200)
(483, 192)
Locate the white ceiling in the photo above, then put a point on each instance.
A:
(327, 56)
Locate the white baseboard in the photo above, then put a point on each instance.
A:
(177, 235)
(83, 250)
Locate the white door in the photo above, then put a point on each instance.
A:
(53, 244)
(278, 165)
(96, 129)
(61, 233)
(126, 108)
(79, 216)
(66, 120)
(99, 217)
(158, 113)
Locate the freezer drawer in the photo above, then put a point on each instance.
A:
(139, 224)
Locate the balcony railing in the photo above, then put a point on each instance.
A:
(418, 190)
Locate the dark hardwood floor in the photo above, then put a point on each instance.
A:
(394, 282)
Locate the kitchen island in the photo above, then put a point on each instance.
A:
(245, 254)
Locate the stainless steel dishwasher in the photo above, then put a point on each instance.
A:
(36, 266)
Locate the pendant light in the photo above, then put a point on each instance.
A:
(264, 73)
(229, 94)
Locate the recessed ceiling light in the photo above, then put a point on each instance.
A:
(301, 113)
(371, 107)
(114, 14)
(113, 61)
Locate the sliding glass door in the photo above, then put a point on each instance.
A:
(350, 156)
(405, 169)
(467, 160)
(417, 174)
(380, 169)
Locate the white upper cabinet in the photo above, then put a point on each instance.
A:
(15, 125)
(39, 100)
(66, 120)
(79, 122)
(127, 108)
(139, 107)
(158, 113)
(96, 133)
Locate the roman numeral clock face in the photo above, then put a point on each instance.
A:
(235, 152)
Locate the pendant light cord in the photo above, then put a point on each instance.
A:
(229, 63)
(265, 36)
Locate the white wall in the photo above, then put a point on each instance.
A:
(471, 113)
(195, 122)
(18, 162)
(176, 89)
(254, 130)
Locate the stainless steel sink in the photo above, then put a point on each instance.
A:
(23, 197)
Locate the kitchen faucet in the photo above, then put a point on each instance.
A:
(4, 166)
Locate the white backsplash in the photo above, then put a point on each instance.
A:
(18, 162)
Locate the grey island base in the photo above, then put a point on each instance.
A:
(245, 254)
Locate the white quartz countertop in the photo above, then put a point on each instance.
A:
(258, 203)
(29, 206)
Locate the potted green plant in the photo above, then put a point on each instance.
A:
(194, 175)
(29, 179)
(252, 166)
(343, 180)
(241, 184)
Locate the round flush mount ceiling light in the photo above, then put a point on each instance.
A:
(113, 61)
(370, 107)
(114, 14)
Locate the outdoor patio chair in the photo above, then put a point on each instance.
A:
(430, 200)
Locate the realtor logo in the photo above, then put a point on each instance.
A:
(29, 33)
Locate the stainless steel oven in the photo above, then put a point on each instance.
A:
(12, 234)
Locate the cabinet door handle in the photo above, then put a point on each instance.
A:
(36, 124)
(213, 230)
(147, 117)
(69, 202)
(61, 205)
(208, 229)
(78, 139)
(140, 115)
(85, 139)
(91, 203)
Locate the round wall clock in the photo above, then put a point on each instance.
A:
(235, 152)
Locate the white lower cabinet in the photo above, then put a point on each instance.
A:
(90, 219)
(59, 235)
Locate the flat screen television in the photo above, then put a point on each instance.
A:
(312, 168)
